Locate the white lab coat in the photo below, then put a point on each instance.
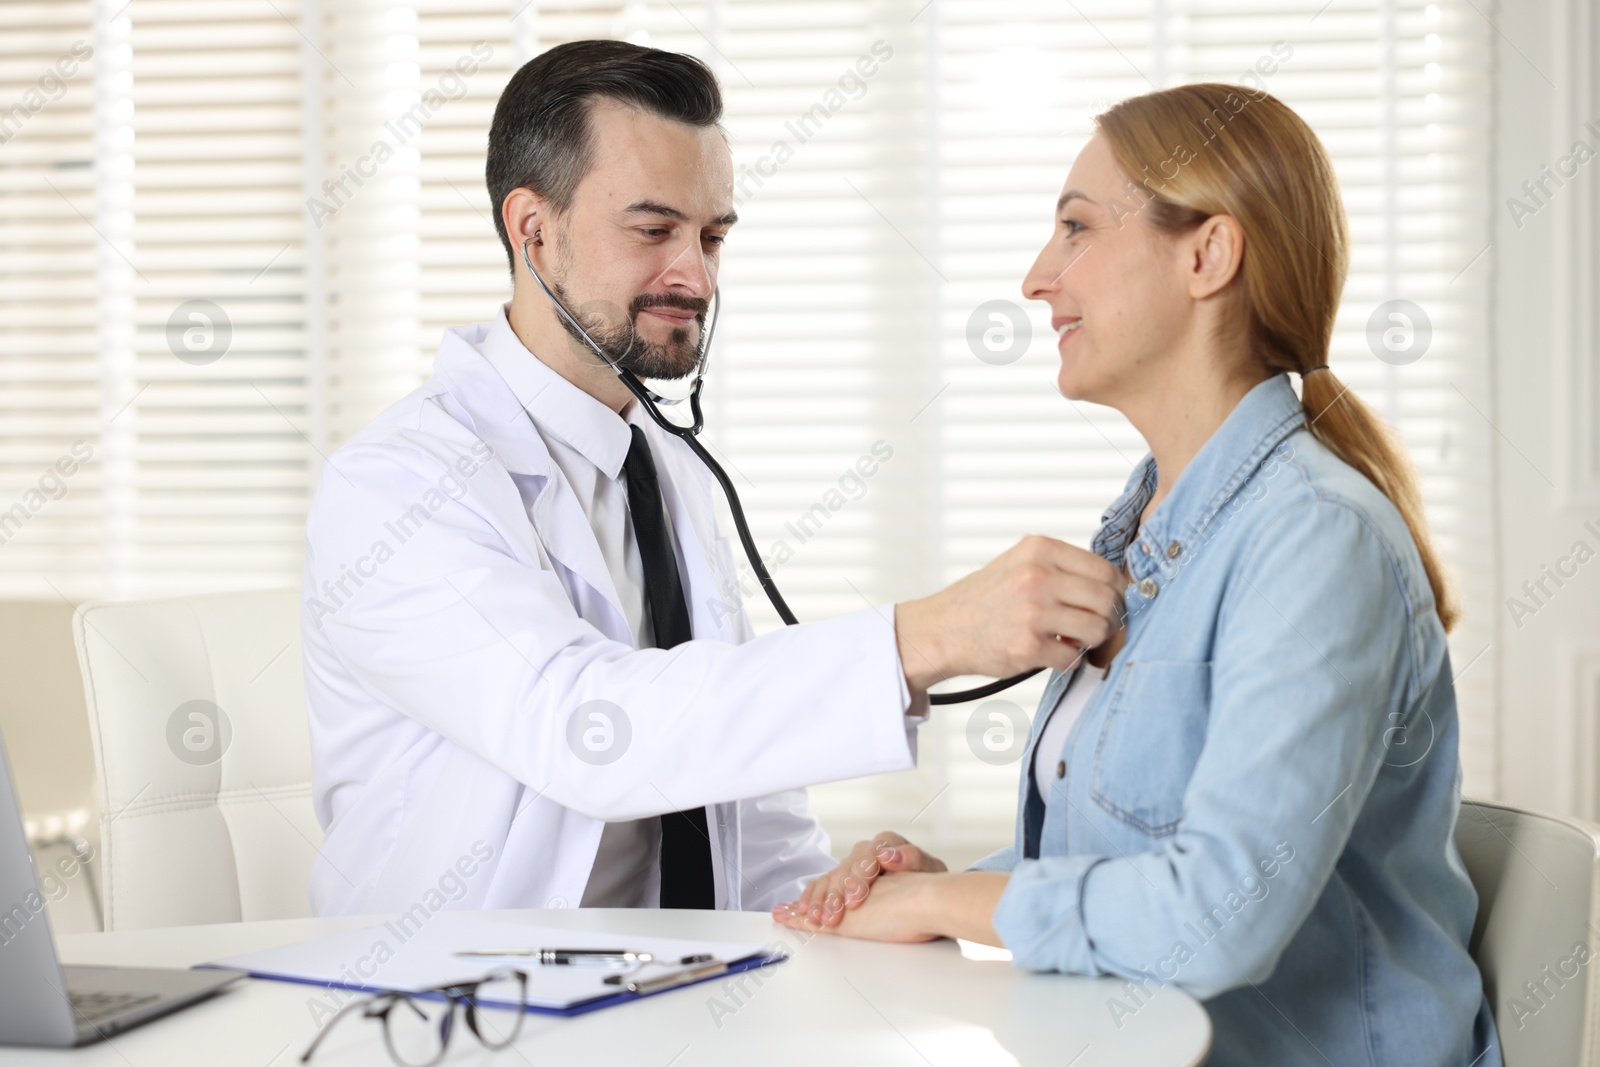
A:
(457, 612)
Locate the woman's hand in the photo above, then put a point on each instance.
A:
(896, 911)
(825, 901)
(916, 906)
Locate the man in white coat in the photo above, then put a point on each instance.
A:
(525, 686)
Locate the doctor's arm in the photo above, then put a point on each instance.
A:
(474, 637)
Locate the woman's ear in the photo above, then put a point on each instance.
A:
(1214, 250)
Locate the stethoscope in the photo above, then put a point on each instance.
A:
(650, 400)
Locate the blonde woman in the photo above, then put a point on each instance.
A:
(1250, 790)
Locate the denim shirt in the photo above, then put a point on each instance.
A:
(1258, 805)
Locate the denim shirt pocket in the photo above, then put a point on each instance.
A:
(1150, 740)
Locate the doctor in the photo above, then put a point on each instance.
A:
(524, 686)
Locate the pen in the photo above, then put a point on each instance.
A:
(704, 957)
(567, 956)
(675, 978)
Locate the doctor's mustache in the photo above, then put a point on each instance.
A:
(698, 305)
(674, 359)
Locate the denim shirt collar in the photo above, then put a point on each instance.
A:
(1258, 424)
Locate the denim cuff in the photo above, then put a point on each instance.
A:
(1040, 915)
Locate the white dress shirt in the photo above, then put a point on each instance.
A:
(589, 443)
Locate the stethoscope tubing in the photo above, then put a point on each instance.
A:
(688, 434)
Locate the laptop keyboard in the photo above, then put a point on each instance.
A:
(91, 1007)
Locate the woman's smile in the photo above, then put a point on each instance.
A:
(1065, 326)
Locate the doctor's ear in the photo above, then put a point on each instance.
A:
(525, 215)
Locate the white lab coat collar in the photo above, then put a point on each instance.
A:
(555, 404)
(505, 388)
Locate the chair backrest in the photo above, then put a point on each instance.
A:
(197, 715)
(1537, 935)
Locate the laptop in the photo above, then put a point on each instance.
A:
(44, 1003)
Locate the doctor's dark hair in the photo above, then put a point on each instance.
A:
(540, 137)
(1195, 151)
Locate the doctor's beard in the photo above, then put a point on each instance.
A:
(669, 361)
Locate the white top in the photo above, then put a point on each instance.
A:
(589, 443)
(1053, 741)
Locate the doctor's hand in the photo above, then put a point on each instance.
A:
(826, 899)
(1038, 604)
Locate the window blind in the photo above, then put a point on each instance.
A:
(50, 375)
(896, 165)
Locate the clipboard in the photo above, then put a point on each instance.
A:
(405, 957)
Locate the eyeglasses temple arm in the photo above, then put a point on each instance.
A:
(341, 1013)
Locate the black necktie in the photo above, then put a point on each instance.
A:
(686, 880)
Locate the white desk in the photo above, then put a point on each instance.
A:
(834, 1002)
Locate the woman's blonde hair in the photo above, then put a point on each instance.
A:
(1196, 151)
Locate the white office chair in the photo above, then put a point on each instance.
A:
(1538, 882)
(204, 817)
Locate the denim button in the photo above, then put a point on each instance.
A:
(1173, 550)
(1061, 769)
(1148, 588)
(1144, 548)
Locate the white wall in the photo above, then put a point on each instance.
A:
(1546, 406)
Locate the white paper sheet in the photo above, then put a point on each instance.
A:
(409, 957)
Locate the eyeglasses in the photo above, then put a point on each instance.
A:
(417, 1026)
